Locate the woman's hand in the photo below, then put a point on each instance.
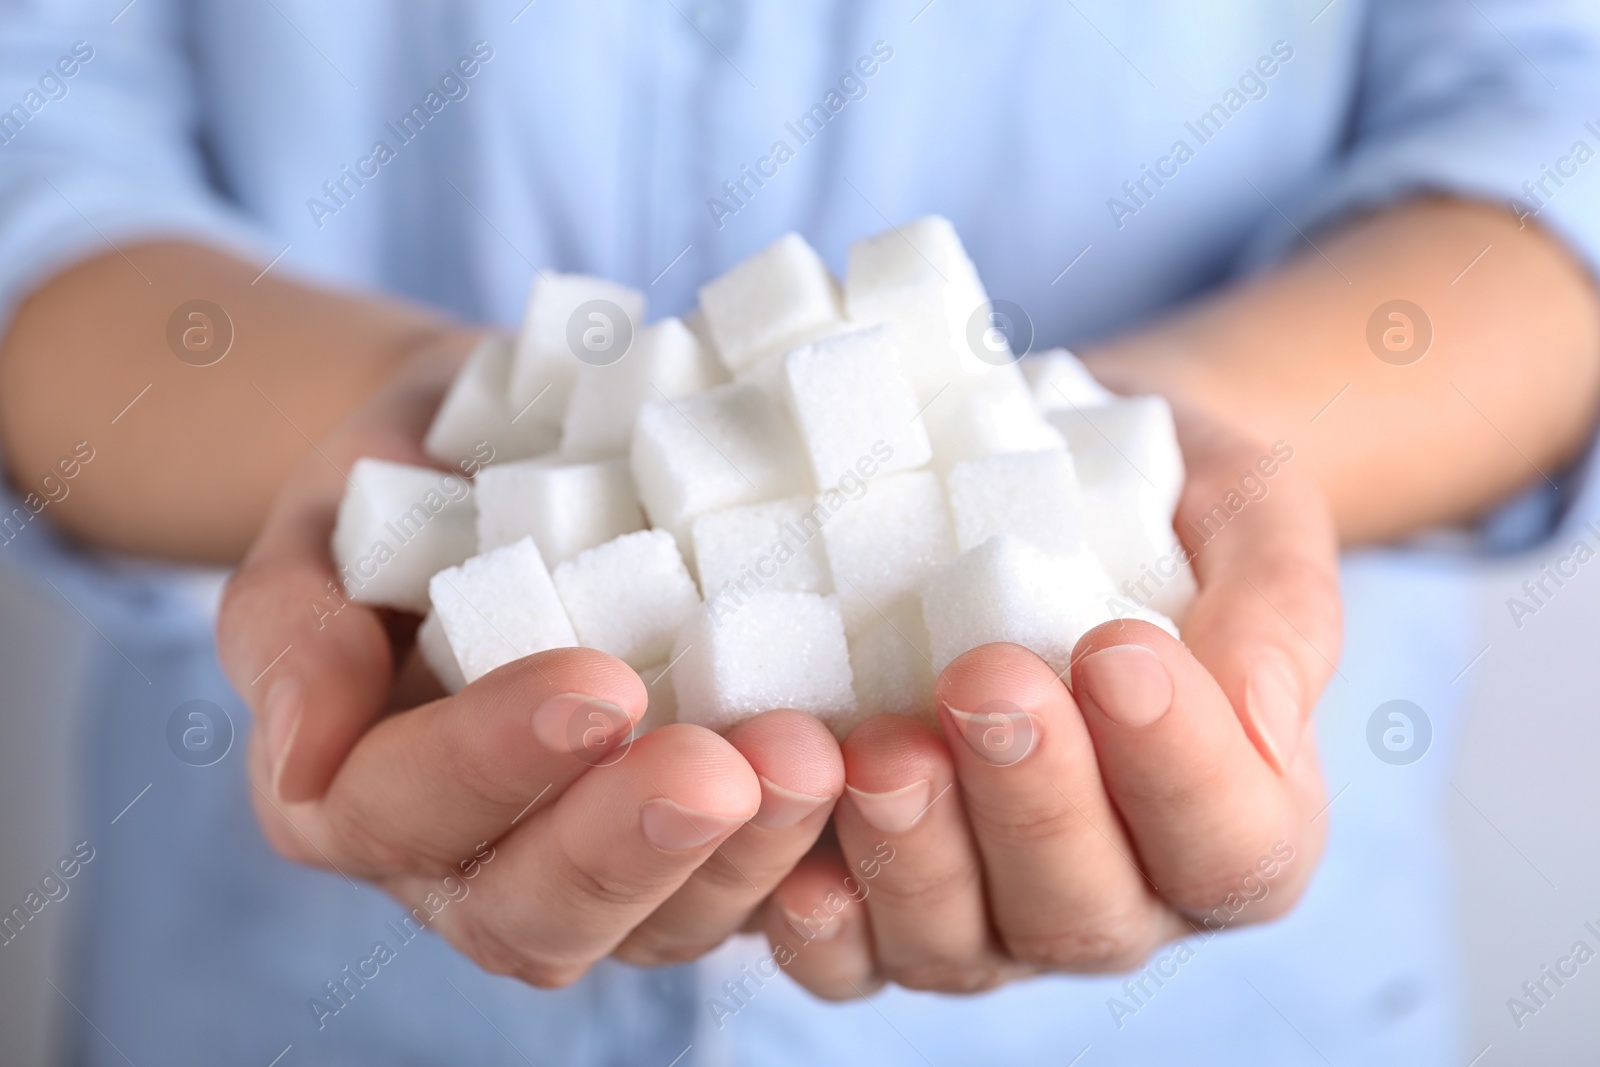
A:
(514, 814)
(1174, 787)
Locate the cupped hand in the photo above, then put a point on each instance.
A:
(516, 815)
(1174, 788)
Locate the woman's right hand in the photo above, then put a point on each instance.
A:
(514, 813)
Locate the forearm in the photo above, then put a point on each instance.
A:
(189, 469)
(1505, 395)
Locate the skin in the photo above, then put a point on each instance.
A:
(1062, 829)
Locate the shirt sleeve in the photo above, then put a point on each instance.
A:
(100, 141)
(1495, 100)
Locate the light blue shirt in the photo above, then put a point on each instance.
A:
(1103, 160)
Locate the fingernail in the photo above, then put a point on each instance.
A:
(1128, 683)
(782, 807)
(672, 827)
(1272, 701)
(813, 928)
(1000, 732)
(896, 811)
(580, 724)
(280, 721)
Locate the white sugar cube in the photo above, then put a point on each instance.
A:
(571, 319)
(780, 297)
(882, 545)
(1132, 473)
(728, 446)
(475, 423)
(397, 526)
(779, 650)
(776, 546)
(434, 647)
(629, 596)
(891, 664)
(1034, 495)
(566, 507)
(1059, 380)
(1131, 532)
(695, 321)
(1008, 590)
(499, 607)
(665, 361)
(850, 401)
(662, 707)
(987, 415)
(918, 277)
(1131, 439)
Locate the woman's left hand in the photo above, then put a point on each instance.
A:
(1174, 788)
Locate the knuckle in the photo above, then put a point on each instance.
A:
(930, 889)
(654, 950)
(614, 890)
(1113, 943)
(1016, 824)
(949, 976)
(548, 976)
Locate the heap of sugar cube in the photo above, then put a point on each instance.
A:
(800, 495)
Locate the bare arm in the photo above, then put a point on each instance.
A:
(1508, 389)
(189, 470)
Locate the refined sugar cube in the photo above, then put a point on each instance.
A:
(695, 321)
(565, 507)
(919, 278)
(629, 596)
(434, 647)
(778, 650)
(1131, 439)
(475, 424)
(776, 546)
(553, 335)
(1008, 590)
(1131, 532)
(397, 526)
(882, 545)
(662, 709)
(987, 415)
(891, 664)
(850, 401)
(728, 446)
(1132, 473)
(1059, 380)
(780, 297)
(499, 607)
(666, 361)
(1033, 495)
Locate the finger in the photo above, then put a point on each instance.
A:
(930, 929)
(801, 773)
(1064, 888)
(1266, 623)
(572, 880)
(818, 929)
(421, 787)
(314, 667)
(1201, 805)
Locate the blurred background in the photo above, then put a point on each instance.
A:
(1522, 813)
